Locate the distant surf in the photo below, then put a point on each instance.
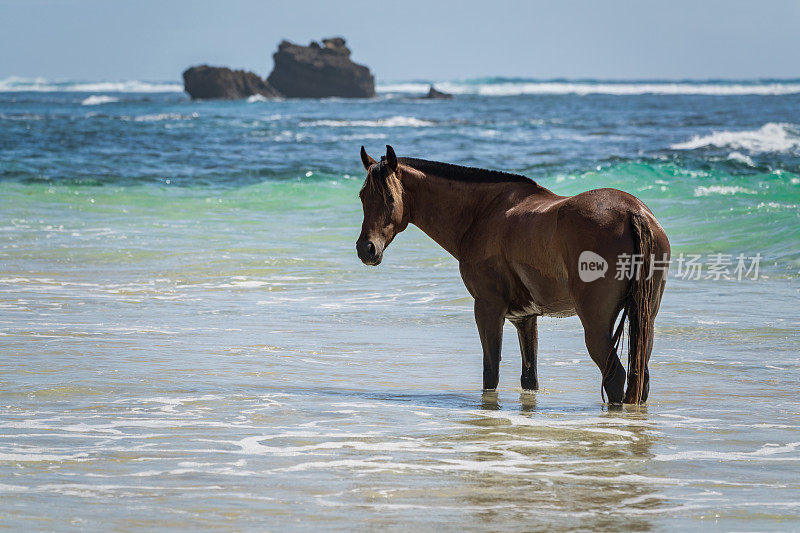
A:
(513, 87)
(17, 84)
(99, 99)
(480, 86)
(391, 122)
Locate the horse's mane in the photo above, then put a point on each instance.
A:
(466, 174)
(380, 171)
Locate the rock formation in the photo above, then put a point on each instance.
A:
(433, 94)
(316, 71)
(311, 71)
(206, 82)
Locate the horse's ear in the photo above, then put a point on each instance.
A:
(391, 158)
(366, 159)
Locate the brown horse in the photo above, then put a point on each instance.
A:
(526, 252)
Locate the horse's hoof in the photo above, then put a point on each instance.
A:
(614, 386)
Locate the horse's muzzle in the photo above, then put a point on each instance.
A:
(369, 253)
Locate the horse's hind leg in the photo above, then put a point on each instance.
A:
(597, 307)
(597, 304)
(527, 331)
(602, 351)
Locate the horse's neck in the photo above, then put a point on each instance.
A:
(445, 209)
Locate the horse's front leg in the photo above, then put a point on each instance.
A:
(528, 333)
(489, 316)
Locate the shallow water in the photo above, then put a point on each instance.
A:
(188, 339)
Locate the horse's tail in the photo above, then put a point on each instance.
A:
(640, 307)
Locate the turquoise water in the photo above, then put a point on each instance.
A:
(189, 340)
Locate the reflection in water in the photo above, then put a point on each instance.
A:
(527, 401)
(490, 400)
(532, 468)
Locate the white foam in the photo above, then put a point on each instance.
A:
(158, 117)
(567, 363)
(17, 84)
(99, 99)
(22, 116)
(403, 87)
(383, 463)
(391, 122)
(741, 158)
(721, 189)
(775, 205)
(246, 284)
(765, 453)
(508, 88)
(257, 98)
(771, 137)
(623, 89)
(513, 88)
(37, 457)
(357, 136)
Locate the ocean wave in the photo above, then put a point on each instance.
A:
(158, 117)
(22, 116)
(410, 87)
(392, 122)
(721, 189)
(771, 137)
(154, 117)
(99, 99)
(17, 84)
(741, 158)
(494, 87)
(521, 87)
(361, 136)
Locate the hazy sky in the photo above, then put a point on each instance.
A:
(406, 39)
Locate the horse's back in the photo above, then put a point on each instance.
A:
(601, 221)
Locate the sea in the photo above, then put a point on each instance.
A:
(189, 341)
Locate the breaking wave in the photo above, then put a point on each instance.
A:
(158, 117)
(506, 87)
(721, 189)
(486, 86)
(771, 137)
(741, 158)
(100, 99)
(17, 84)
(391, 122)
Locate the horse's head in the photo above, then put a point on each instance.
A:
(384, 213)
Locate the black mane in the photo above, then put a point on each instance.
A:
(467, 174)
